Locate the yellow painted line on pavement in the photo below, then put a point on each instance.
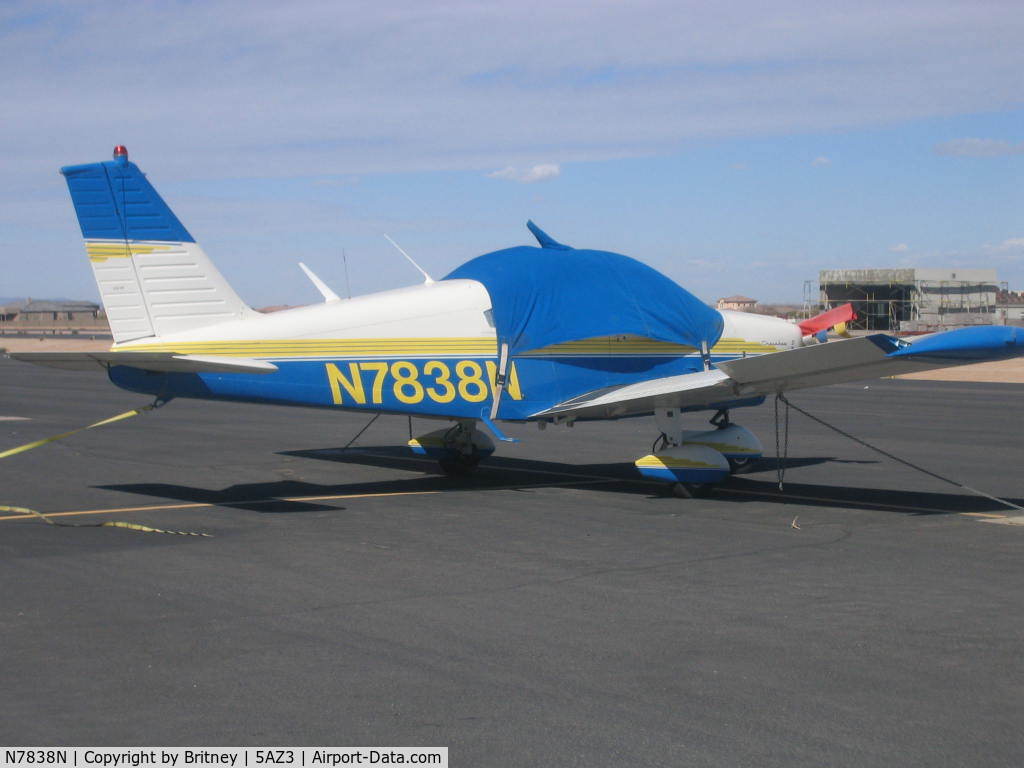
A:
(331, 497)
(200, 505)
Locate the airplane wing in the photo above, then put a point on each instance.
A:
(836, 362)
(147, 361)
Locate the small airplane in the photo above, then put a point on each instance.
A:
(548, 334)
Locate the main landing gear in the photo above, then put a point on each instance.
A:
(740, 451)
(692, 463)
(458, 449)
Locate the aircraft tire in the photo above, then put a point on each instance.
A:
(739, 466)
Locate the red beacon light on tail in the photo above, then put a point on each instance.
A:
(121, 153)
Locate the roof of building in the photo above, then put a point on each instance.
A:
(907, 275)
(59, 306)
(737, 299)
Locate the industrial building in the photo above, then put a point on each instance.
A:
(28, 316)
(912, 299)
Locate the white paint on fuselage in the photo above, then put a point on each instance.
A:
(446, 309)
(441, 310)
(762, 329)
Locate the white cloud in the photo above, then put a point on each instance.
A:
(821, 160)
(262, 88)
(979, 148)
(1010, 244)
(899, 248)
(530, 174)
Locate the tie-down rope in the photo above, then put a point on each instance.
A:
(781, 455)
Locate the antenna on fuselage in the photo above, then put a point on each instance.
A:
(426, 278)
(321, 286)
(348, 285)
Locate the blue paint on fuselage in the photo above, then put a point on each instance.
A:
(542, 383)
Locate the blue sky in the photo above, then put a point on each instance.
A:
(738, 147)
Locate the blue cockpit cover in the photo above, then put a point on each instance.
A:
(544, 296)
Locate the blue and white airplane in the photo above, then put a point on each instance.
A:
(549, 334)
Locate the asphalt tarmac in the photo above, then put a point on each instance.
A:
(550, 611)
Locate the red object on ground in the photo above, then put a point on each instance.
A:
(827, 320)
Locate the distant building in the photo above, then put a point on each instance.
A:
(10, 311)
(50, 312)
(53, 316)
(1010, 308)
(913, 299)
(739, 303)
(785, 311)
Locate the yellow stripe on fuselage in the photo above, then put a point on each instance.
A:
(616, 346)
(737, 346)
(435, 347)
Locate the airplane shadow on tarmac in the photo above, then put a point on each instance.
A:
(501, 473)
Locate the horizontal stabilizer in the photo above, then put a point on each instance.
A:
(147, 361)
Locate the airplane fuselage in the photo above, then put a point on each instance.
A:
(547, 333)
(428, 350)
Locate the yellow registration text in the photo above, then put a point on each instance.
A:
(411, 382)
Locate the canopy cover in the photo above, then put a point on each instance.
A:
(552, 294)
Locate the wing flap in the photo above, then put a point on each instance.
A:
(645, 396)
(148, 361)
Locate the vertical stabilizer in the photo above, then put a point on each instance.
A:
(153, 277)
